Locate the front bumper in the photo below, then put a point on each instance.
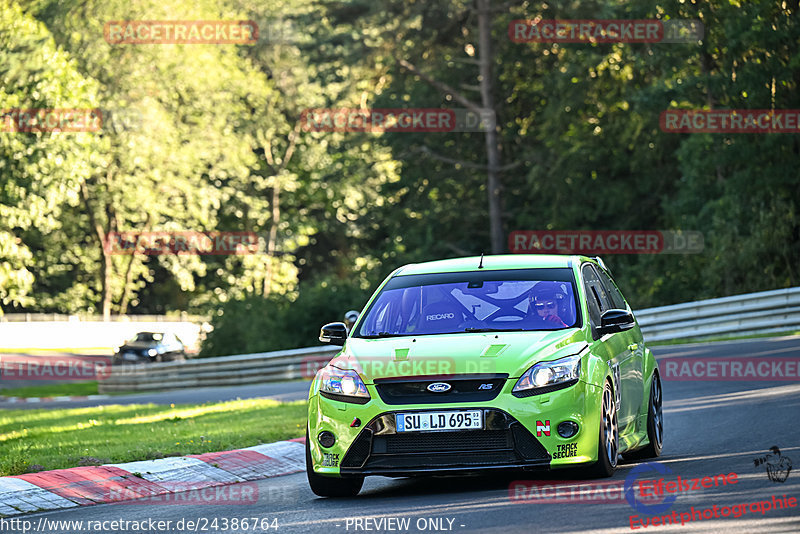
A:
(519, 433)
(504, 442)
(131, 357)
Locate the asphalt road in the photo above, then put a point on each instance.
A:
(11, 377)
(282, 391)
(711, 428)
(297, 390)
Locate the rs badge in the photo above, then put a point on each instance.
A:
(542, 428)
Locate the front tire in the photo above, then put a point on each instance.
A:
(330, 486)
(655, 425)
(608, 441)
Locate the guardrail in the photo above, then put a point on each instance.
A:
(752, 313)
(222, 371)
(95, 337)
(768, 311)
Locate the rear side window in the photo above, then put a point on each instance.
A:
(596, 296)
(614, 294)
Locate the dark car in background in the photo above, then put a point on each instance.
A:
(151, 347)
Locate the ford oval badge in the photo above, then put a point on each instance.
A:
(439, 387)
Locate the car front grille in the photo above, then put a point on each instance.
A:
(451, 460)
(504, 441)
(416, 442)
(359, 450)
(463, 388)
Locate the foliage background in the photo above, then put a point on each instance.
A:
(205, 137)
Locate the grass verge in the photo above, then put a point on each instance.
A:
(52, 390)
(33, 440)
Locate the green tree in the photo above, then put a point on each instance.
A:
(40, 172)
(181, 161)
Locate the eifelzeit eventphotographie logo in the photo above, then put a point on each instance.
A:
(777, 465)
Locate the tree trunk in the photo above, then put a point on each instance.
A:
(106, 268)
(126, 292)
(492, 145)
(272, 240)
(273, 236)
(106, 274)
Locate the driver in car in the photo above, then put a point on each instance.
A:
(544, 304)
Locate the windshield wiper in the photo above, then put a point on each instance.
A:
(384, 334)
(495, 330)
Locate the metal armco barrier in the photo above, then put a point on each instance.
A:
(222, 371)
(752, 313)
(768, 311)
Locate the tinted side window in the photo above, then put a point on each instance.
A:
(596, 297)
(611, 289)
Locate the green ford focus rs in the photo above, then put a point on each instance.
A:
(471, 364)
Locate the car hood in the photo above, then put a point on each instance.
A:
(510, 353)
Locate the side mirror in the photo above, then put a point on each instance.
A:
(333, 333)
(615, 321)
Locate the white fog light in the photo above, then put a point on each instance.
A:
(567, 429)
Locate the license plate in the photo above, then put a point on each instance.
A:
(130, 356)
(430, 421)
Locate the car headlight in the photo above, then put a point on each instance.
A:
(553, 373)
(152, 353)
(345, 384)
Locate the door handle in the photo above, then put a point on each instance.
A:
(633, 346)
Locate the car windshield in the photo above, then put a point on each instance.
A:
(510, 300)
(148, 337)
